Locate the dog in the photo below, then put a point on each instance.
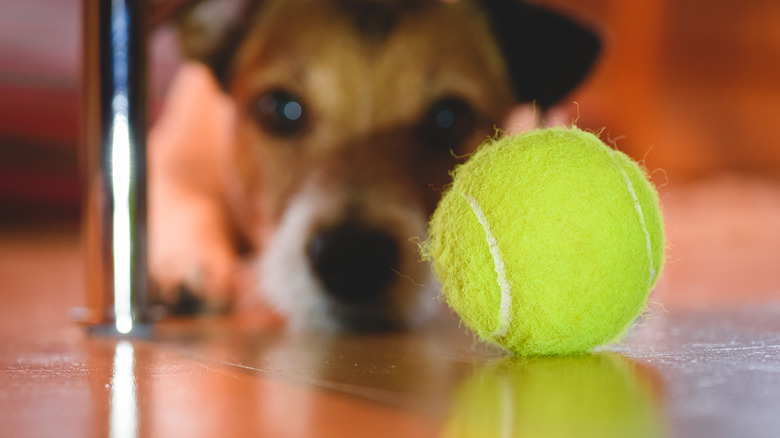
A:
(326, 133)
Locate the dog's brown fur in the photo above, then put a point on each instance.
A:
(366, 151)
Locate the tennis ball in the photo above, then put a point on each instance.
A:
(548, 242)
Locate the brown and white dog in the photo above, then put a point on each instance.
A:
(322, 144)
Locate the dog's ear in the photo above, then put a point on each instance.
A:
(211, 31)
(548, 54)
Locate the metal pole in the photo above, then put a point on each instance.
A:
(115, 158)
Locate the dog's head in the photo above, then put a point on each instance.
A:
(350, 114)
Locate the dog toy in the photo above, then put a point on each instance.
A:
(547, 243)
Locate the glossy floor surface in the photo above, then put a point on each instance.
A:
(703, 362)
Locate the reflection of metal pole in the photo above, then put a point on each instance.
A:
(123, 422)
(115, 145)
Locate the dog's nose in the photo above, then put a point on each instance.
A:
(355, 263)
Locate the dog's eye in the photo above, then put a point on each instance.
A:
(449, 122)
(280, 113)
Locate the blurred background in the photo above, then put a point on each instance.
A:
(692, 88)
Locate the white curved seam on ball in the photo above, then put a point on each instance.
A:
(505, 309)
(638, 208)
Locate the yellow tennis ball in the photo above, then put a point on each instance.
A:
(548, 242)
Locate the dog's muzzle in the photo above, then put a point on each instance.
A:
(355, 264)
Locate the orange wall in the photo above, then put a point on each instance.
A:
(693, 86)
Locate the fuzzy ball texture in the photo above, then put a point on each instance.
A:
(548, 242)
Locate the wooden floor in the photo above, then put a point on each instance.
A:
(704, 362)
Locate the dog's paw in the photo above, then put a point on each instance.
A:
(192, 260)
(195, 287)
